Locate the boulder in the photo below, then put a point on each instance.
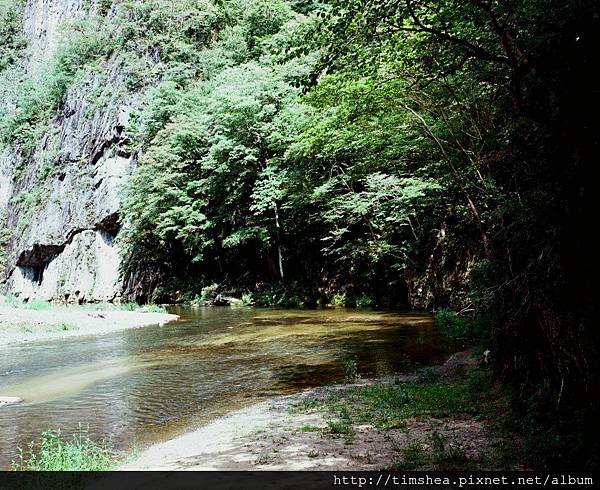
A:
(9, 400)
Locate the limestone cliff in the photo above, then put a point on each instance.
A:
(63, 221)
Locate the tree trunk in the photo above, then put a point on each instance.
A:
(279, 249)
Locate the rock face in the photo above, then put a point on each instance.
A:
(41, 23)
(64, 225)
(86, 269)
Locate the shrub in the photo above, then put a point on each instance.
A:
(35, 304)
(130, 306)
(339, 427)
(365, 301)
(152, 308)
(441, 454)
(149, 308)
(291, 295)
(351, 369)
(209, 293)
(65, 327)
(55, 453)
(36, 100)
(13, 41)
(453, 326)
(26, 327)
(247, 299)
(339, 299)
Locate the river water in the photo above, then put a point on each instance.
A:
(146, 385)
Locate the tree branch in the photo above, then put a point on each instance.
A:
(477, 51)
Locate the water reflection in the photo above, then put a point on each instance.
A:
(145, 385)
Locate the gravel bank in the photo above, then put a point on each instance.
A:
(273, 436)
(19, 325)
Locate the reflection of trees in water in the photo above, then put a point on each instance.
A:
(212, 362)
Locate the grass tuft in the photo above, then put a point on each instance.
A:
(55, 453)
(65, 327)
(439, 453)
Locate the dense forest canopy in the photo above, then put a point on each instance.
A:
(374, 153)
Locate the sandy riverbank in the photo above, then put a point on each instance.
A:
(275, 435)
(19, 325)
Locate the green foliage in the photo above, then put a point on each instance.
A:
(163, 40)
(237, 164)
(338, 299)
(35, 101)
(441, 454)
(104, 7)
(365, 301)
(351, 370)
(340, 427)
(149, 308)
(492, 91)
(29, 199)
(413, 456)
(309, 428)
(208, 293)
(291, 295)
(13, 41)
(35, 304)
(65, 327)
(152, 308)
(208, 162)
(261, 19)
(129, 306)
(454, 326)
(389, 405)
(391, 152)
(55, 453)
(553, 442)
(26, 327)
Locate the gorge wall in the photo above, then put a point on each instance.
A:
(210, 99)
(60, 201)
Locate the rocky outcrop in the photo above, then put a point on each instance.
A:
(6, 182)
(62, 205)
(41, 24)
(86, 269)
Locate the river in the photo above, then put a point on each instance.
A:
(141, 386)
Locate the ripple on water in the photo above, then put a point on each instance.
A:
(145, 385)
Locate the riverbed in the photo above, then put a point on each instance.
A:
(20, 324)
(138, 387)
